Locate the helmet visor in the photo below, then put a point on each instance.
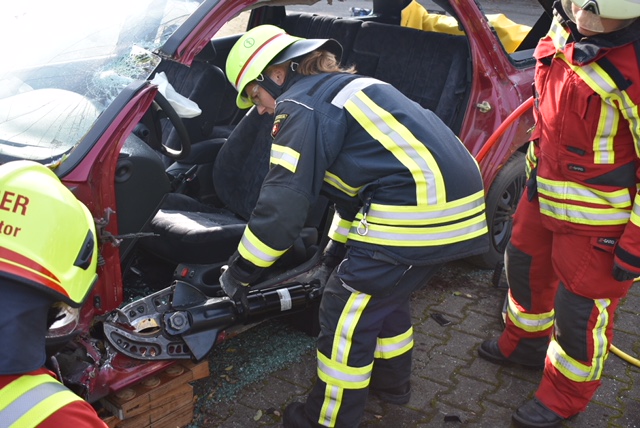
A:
(587, 16)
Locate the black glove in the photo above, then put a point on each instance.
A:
(236, 290)
(620, 274)
(331, 257)
(333, 254)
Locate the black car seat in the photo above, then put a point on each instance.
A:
(192, 232)
(203, 83)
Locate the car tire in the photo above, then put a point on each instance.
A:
(502, 200)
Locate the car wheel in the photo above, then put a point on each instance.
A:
(501, 201)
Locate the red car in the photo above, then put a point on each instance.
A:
(128, 102)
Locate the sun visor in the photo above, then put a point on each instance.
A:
(305, 46)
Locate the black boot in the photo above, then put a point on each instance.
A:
(490, 351)
(296, 417)
(534, 414)
(398, 395)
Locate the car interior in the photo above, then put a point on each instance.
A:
(197, 205)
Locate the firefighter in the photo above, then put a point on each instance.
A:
(575, 248)
(408, 197)
(48, 259)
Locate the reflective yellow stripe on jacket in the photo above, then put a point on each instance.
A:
(399, 141)
(256, 251)
(421, 226)
(29, 400)
(339, 229)
(611, 208)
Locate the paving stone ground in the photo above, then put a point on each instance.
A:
(451, 385)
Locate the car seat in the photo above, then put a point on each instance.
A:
(189, 231)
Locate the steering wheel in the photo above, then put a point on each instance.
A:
(162, 104)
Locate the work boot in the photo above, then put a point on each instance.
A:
(534, 414)
(296, 417)
(398, 395)
(490, 351)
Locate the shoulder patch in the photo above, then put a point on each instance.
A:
(277, 124)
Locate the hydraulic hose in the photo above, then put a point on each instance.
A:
(628, 358)
(491, 141)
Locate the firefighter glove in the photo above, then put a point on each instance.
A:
(620, 274)
(333, 254)
(235, 289)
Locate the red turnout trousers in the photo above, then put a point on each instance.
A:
(562, 299)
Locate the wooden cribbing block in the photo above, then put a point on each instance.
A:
(156, 392)
(172, 405)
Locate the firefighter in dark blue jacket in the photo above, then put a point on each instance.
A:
(408, 197)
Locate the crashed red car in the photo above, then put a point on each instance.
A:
(128, 103)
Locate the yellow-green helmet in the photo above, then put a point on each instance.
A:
(47, 236)
(252, 54)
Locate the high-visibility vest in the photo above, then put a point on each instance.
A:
(30, 399)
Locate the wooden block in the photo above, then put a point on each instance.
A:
(111, 421)
(180, 392)
(164, 412)
(179, 418)
(128, 402)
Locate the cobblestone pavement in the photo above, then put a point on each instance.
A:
(451, 385)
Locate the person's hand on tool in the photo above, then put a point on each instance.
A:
(233, 288)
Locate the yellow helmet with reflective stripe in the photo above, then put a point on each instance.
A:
(47, 236)
(252, 54)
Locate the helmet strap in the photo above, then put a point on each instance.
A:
(269, 85)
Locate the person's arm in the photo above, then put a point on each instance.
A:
(299, 159)
(75, 414)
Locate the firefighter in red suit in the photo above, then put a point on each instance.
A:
(575, 248)
(48, 259)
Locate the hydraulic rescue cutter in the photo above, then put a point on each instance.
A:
(184, 322)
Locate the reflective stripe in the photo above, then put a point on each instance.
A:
(583, 215)
(339, 229)
(257, 252)
(399, 236)
(567, 190)
(557, 32)
(427, 214)
(532, 160)
(614, 211)
(401, 143)
(391, 347)
(335, 181)
(347, 323)
(342, 375)
(352, 88)
(261, 51)
(284, 156)
(614, 100)
(529, 322)
(29, 400)
(593, 75)
(574, 369)
(21, 266)
(635, 212)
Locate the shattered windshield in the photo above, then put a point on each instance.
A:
(65, 61)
